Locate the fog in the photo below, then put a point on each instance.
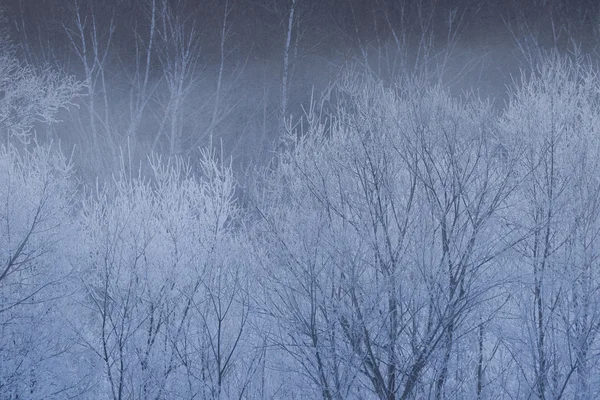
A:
(169, 77)
(337, 199)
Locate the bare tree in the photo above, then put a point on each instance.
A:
(179, 55)
(168, 308)
(91, 41)
(36, 195)
(552, 116)
(28, 95)
(384, 228)
(36, 232)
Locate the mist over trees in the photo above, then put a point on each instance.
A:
(295, 199)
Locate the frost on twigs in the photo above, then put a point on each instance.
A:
(29, 96)
(36, 257)
(165, 283)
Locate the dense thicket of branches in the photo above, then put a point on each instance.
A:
(402, 241)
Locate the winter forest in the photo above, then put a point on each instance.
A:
(299, 199)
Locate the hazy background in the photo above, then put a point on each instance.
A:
(228, 72)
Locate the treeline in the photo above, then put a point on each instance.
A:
(404, 241)
(416, 245)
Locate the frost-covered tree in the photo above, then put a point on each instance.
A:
(28, 95)
(166, 293)
(37, 235)
(381, 235)
(37, 253)
(552, 120)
